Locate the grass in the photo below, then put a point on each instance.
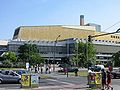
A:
(43, 76)
(80, 73)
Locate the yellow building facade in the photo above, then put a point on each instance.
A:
(50, 33)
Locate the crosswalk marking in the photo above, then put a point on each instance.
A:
(60, 81)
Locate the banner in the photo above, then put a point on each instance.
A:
(92, 78)
(98, 78)
(25, 80)
(34, 80)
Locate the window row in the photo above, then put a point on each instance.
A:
(117, 37)
(108, 41)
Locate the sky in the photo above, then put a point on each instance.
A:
(15, 13)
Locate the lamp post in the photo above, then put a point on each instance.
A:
(77, 51)
(28, 61)
(55, 52)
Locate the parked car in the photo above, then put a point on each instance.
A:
(116, 73)
(96, 68)
(7, 76)
(69, 70)
(21, 71)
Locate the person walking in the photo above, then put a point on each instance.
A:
(35, 69)
(103, 79)
(76, 71)
(41, 70)
(46, 70)
(49, 66)
(110, 68)
(109, 80)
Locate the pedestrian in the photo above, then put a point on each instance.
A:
(38, 68)
(49, 68)
(65, 70)
(35, 69)
(103, 79)
(109, 80)
(110, 68)
(41, 70)
(76, 72)
(46, 69)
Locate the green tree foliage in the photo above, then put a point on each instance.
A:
(91, 53)
(29, 53)
(11, 56)
(36, 59)
(7, 64)
(84, 54)
(116, 59)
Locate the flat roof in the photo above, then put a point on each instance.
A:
(3, 42)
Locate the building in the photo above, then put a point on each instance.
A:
(3, 46)
(97, 27)
(48, 49)
(52, 32)
(46, 37)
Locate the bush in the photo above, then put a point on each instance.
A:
(19, 65)
(7, 64)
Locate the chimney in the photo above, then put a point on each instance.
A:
(81, 20)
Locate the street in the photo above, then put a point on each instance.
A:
(60, 82)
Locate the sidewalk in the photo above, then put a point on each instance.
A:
(71, 87)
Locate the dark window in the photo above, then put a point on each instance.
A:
(16, 31)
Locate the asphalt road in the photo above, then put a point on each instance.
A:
(64, 81)
(57, 82)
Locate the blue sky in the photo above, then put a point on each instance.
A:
(15, 13)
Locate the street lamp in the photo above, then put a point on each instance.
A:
(77, 50)
(28, 61)
(55, 52)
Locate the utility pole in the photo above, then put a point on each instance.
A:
(77, 41)
(54, 52)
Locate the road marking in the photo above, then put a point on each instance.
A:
(60, 81)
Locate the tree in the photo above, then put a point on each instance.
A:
(36, 59)
(11, 56)
(116, 59)
(23, 53)
(90, 54)
(29, 53)
(84, 54)
(7, 63)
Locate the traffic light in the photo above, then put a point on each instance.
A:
(89, 38)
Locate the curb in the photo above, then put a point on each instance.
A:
(63, 87)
